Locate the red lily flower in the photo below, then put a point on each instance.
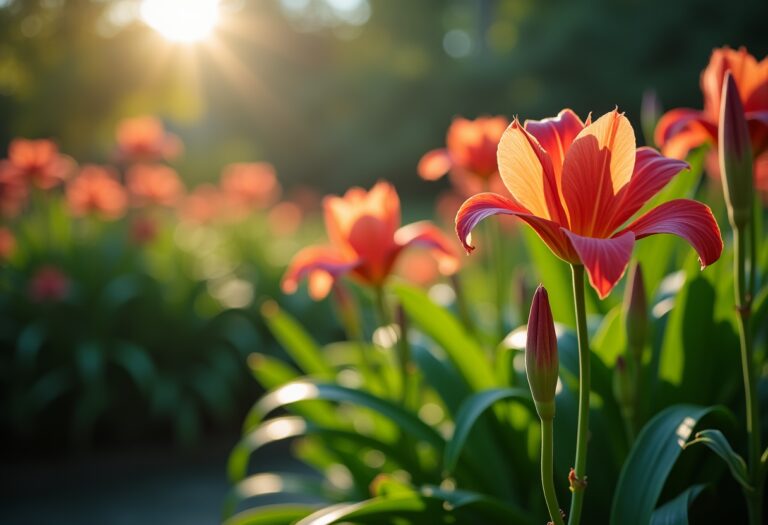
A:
(202, 205)
(469, 155)
(96, 190)
(13, 193)
(48, 285)
(38, 162)
(576, 185)
(250, 185)
(683, 129)
(143, 139)
(366, 240)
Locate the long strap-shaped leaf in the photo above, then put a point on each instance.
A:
(281, 514)
(306, 390)
(650, 461)
(268, 483)
(288, 427)
(675, 512)
(468, 414)
(442, 327)
(715, 440)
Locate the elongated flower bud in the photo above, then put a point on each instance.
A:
(622, 385)
(541, 363)
(735, 152)
(636, 312)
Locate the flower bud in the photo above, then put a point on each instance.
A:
(541, 363)
(735, 152)
(622, 385)
(636, 312)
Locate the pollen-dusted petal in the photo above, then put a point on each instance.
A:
(434, 164)
(688, 219)
(483, 205)
(605, 259)
(321, 264)
(426, 235)
(597, 165)
(525, 169)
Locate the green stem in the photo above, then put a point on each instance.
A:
(744, 309)
(547, 482)
(403, 348)
(578, 485)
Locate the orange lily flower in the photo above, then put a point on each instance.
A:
(366, 240)
(576, 184)
(683, 129)
(250, 185)
(38, 162)
(7, 243)
(154, 184)
(96, 190)
(13, 193)
(469, 155)
(143, 139)
(203, 205)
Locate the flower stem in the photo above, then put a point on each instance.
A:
(579, 477)
(744, 309)
(547, 483)
(403, 348)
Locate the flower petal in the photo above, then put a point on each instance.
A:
(605, 259)
(434, 164)
(691, 220)
(483, 205)
(527, 172)
(681, 130)
(321, 264)
(556, 135)
(427, 235)
(652, 172)
(597, 165)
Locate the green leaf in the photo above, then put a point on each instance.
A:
(716, 441)
(305, 390)
(466, 417)
(675, 512)
(441, 326)
(650, 461)
(295, 340)
(136, 362)
(266, 483)
(271, 515)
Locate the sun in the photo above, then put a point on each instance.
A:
(181, 20)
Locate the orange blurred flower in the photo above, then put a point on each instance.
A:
(469, 155)
(96, 190)
(48, 284)
(7, 243)
(143, 139)
(203, 205)
(153, 184)
(250, 186)
(683, 129)
(366, 240)
(284, 219)
(37, 162)
(13, 193)
(576, 184)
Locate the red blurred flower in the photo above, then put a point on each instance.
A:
(153, 184)
(250, 186)
(37, 162)
(7, 243)
(682, 129)
(143, 139)
(48, 284)
(96, 190)
(469, 156)
(13, 192)
(577, 184)
(366, 240)
(203, 205)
